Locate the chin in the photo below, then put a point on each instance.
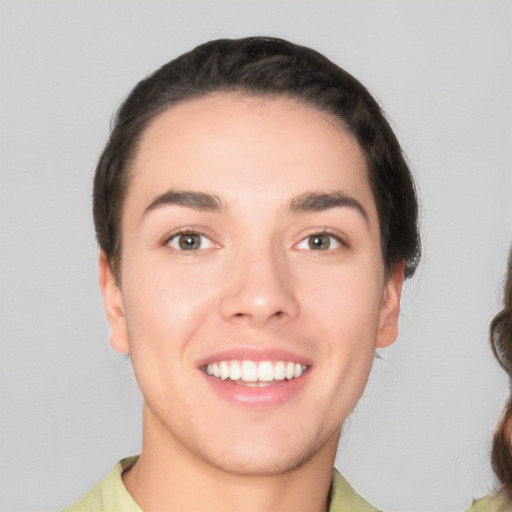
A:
(271, 456)
(241, 447)
(260, 463)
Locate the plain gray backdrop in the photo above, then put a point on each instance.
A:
(420, 437)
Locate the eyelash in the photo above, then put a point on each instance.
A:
(183, 232)
(341, 243)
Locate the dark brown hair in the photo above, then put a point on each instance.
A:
(501, 342)
(266, 67)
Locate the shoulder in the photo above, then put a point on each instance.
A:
(110, 495)
(492, 503)
(345, 499)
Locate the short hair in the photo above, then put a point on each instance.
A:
(269, 67)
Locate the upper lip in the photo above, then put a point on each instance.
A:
(253, 354)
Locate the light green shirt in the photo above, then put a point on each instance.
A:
(492, 503)
(110, 495)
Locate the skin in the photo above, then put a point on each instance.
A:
(256, 285)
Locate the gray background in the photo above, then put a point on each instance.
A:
(419, 439)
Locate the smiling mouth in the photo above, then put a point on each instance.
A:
(255, 373)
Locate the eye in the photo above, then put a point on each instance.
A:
(189, 242)
(320, 242)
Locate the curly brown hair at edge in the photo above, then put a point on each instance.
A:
(501, 342)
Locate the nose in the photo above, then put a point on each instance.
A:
(259, 290)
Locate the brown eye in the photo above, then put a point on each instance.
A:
(190, 242)
(320, 242)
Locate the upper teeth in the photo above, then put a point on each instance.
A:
(252, 371)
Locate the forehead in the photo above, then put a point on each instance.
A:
(245, 147)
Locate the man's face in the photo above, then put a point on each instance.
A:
(252, 292)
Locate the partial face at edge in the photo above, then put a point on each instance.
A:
(250, 242)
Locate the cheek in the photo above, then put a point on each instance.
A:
(346, 301)
(165, 305)
(164, 312)
(345, 310)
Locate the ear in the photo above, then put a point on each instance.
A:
(113, 302)
(390, 309)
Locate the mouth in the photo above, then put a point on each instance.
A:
(255, 373)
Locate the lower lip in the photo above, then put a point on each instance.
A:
(274, 395)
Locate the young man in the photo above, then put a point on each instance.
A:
(256, 219)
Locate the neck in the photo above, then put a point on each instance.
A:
(167, 476)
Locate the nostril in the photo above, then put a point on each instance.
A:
(256, 305)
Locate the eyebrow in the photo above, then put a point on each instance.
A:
(190, 199)
(320, 201)
(307, 202)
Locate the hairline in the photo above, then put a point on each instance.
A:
(238, 92)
